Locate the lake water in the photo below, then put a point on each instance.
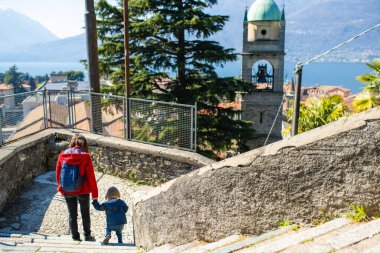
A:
(319, 73)
(42, 68)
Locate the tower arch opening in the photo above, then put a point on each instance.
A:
(262, 75)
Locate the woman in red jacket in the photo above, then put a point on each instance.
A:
(76, 180)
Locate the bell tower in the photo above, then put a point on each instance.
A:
(263, 66)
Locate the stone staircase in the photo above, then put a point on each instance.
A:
(339, 235)
(38, 242)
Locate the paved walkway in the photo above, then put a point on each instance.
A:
(40, 209)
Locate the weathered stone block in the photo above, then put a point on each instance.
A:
(326, 169)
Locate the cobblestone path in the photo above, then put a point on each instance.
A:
(41, 209)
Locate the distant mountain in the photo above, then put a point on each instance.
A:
(65, 50)
(324, 24)
(313, 26)
(18, 30)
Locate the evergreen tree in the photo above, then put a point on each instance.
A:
(2, 75)
(75, 75)
(41, 78)
(14, 78)
(32, 83)
(172, 37)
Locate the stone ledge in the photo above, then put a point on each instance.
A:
(170, 153)
(325, 169)
(245, 159)
(9, 150)
(26, 158)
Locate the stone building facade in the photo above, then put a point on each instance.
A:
(263, 66)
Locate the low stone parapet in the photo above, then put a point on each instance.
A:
(308, 176)
(20, 162)
(23, 160)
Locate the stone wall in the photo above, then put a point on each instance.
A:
(323, 170)
(25, 159)
(20, 162)
(136, 161)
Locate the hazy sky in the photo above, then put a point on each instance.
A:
(64, 18)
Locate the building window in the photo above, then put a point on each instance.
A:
(263, 32)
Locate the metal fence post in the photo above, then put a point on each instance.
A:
(1, 127)
(68, 109)
(44, 102)
(50, 117)
(73, 110)
(192, 128)
(129, 118)
(195, 125)
(125, 118)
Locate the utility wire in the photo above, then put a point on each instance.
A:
(300, 64)
(275, 119)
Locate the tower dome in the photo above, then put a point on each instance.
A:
(264, 10)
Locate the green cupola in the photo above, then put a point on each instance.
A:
(264, 10)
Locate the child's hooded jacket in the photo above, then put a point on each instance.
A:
(77, 156)
(115, 211)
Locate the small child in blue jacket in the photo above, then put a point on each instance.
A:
(115, 212)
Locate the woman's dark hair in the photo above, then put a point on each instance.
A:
(80, 141)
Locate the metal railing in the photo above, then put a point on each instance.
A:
(153, 122)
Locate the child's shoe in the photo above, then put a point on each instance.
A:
(106, 239)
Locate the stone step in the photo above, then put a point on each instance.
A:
(14, 239)
(18, 251)
(214, 245)
(15, 248)
(83, 250)
(162, 249)
(8, 243)
(80, 246)
(297, 238)
(2, 234)
(182, 248)
(347, 238)
(374, 249)
(250, 241)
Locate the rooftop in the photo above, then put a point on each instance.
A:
(4, 86)
(82, 86)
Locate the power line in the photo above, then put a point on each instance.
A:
(300, 64)
(275, 119)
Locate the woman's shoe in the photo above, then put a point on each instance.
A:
(89, 238)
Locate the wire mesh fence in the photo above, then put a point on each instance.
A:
(167, 124)
(160, 123)
(22, 115)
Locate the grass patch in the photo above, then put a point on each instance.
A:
(306, 241)
(357, 213)
(285, 223)
(295, 227)
(325, 217)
